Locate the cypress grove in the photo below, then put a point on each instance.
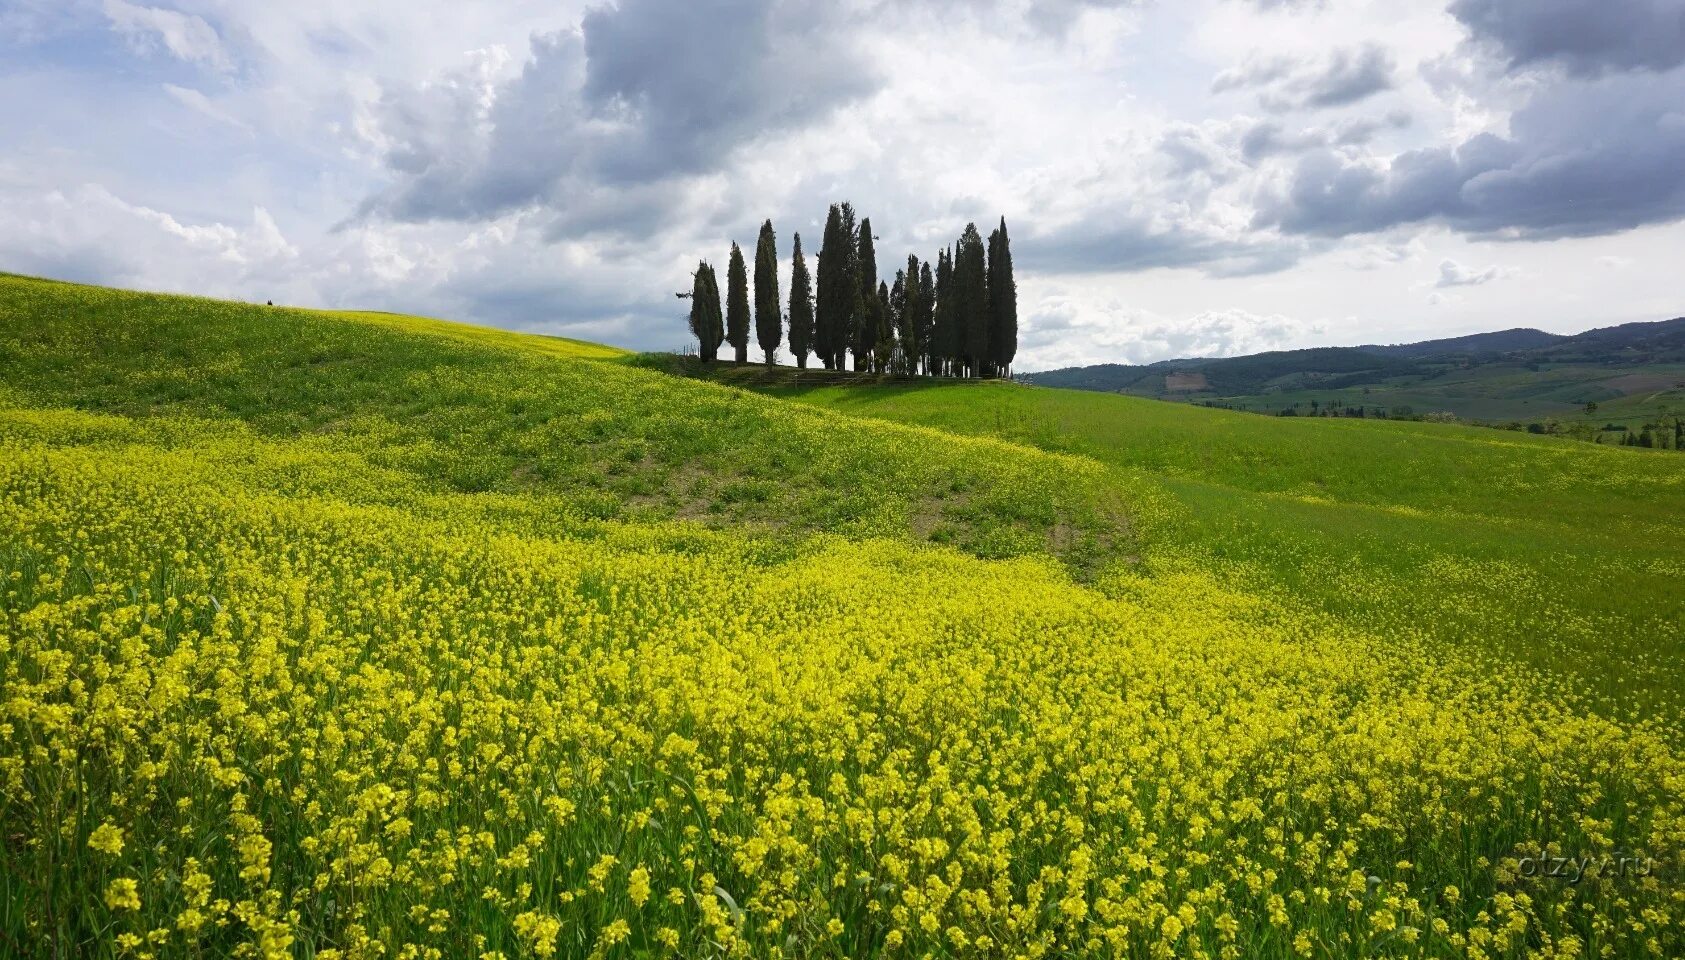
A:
(956, 317)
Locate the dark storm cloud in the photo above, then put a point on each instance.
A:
(1585, 37)
(1346, 77)
(1582, 159)
(1596, 149)
(703, 76)
(1271, 137)
(601, 123)
(1349, 76)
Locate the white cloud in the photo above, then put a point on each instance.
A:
(1373, 256)
(90, 233)
(196, 101)
(1061, 331)
(1454, 274)
(1343, 77)
(185, 36)
(526, 165)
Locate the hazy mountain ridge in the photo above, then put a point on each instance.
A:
(1500, 375)
(1502, 341)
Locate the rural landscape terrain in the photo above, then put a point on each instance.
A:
(353, 635)
(1622, 384)
(861, 480)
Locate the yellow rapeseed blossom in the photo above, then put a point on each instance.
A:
(348, 700)
(123, 893)
(107, 838)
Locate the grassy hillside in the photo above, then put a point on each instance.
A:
(470, 409)
(1559, 553)
(329, 635)
(1634, 373)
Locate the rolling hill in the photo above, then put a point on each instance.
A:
(350, 635)
(1634, 374)
(1502, 341)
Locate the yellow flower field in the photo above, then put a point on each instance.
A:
(275, 695)
(244, 721)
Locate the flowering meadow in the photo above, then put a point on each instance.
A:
(337, 636)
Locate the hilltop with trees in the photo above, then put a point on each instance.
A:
(958, 319)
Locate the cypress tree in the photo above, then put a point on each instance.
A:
(884, 346)
(769, 322)
(924, 318)
(830, 309)
(737, 304)
(865, 328)
(898, 318)
(868, 258)
(971, 289)
(946, 343)
(705, 321)
(715, 311)
(801, 307)
(866, 272)
(906, 292)
(1003, 302)
(840, 306)
(848, 293)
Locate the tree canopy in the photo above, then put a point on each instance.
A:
(956, 316)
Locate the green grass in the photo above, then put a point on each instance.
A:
(473, 409)
(1543, 549)
(1558, 553)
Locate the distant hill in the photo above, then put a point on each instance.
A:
(1329, 367)
(1631, 373)
(1503, 341)
(1660, 341)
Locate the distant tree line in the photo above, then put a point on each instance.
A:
(956, 319)
(1667, 435)
(1318, 409)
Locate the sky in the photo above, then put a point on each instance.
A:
(1179, 177)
